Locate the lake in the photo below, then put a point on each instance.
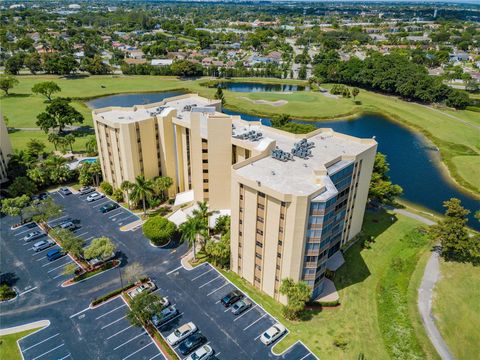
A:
(256, 87)
(414, 165)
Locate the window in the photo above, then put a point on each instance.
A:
(279, 255)
(280, 243)
(205, 161)
(259, 232)
(260, 194)
(258, 267)
(259, 244)
(205, 181)
(260, 206)
(282, 216)
(260, 219)
(258, 256)
(278, 267)
(257, 279)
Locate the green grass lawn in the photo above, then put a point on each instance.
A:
(456, 307)
(8, 345)
(459, 142)
(360, 320)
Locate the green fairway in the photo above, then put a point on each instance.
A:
(456, 307)
(8, 345)
(361, 322)
(455, 133)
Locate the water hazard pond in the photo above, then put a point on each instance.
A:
(413, 163)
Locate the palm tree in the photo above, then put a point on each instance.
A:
(127, 186)
(69, 140)
(161, 184)
(54, 139)
(203, 214)
(91, 145)
(191, 230)
(142, 190)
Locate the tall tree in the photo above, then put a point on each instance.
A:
(142, 190)
(297, 295)
(143, 307)
(452, 233)
(127, 187)
(91, 145)
(22, 185)
(101, 248)
(35, 147)
(69, 140)
(33, 62)
(46, 88)
(58, 114)
(381, 188)
(14, 206)
(7, 83)
(219, 95)
(190, 231)
(161, 184)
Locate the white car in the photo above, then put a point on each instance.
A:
(202, 353)
(272, 334)
(146, 287)
(33, 235)
(181, 333)
(95, 196)
(42, 245)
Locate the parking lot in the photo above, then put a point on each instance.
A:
(47, 343)
(111, 336)
(104, 332)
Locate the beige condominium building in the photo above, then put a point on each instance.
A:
(5, 150)
(294, 199)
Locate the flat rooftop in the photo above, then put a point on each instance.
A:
(331, 152)
(124, 115)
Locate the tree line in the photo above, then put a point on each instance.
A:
(393, 74)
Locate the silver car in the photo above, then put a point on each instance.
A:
(33, 235)
(42, 245)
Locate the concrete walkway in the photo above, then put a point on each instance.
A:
(430, 277)
(17, 329)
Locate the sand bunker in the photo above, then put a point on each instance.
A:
(266, 102)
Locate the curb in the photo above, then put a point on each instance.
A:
(16, 329)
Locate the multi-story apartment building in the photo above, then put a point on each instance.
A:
(294, 199)
(5, 150)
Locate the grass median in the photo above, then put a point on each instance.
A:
(9, 347)
(359, 324)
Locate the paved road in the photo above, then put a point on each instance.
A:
(431, 275)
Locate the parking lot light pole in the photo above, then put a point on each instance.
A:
(121, 279)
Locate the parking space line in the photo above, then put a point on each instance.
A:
(121, 211)
(80, 312)
(246, 312)
(103, 203)
(113, 322)
(55, 220)
(258, 336)
(166, 322)
(63, 197)
(305, 356)
(119, 332)
(41, 342)
(58, 267)
(59, 275)
(24, 231)
(27, 291)
(211, 292)
(89, 238)
(51, 262)
(172, 271)
(155, 356)
(129, 216)
(253, 323)
(85, 233)
(48, 352)
(227, 309)
(137, 351)
(208, 282)
(199, 276)
(118, 307)
(126, 342)
(66, 356)
(41, 251)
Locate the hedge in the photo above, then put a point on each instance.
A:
(159, 230)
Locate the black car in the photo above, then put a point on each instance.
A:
(109, 207)
(231, 298)
(192, 342)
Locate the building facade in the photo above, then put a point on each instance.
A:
(295, 200)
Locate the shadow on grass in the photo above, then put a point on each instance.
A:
(14, 95)
(355, 270)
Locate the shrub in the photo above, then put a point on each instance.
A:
(106, 188)
(6, 292)
(159, 230)
(340, 342)
(117, 195)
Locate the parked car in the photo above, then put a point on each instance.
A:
(33, 235)
(42, 245)
(192, 342)
(181, 333)
(41, 196)
(69, 225)
(86, 190)
(65, 191)
(165, 315)
(148, 287)
(241, 305)
(109, 207)
(231, 298)
(272, 334)
(97, 261)
(55, 254)
(203, 353)
(94, 197)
